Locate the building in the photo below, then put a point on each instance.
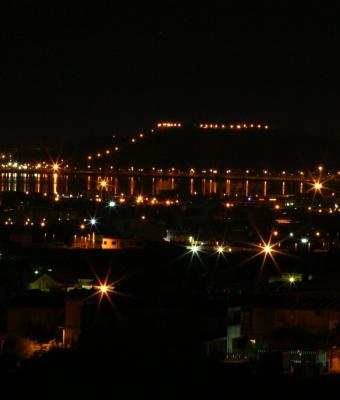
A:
(284, 321)
(47, 283)
(115, 243)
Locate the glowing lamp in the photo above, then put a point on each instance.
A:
(267, 249)
(194, 248)
(103, 289)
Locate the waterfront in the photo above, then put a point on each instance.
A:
(132, 185)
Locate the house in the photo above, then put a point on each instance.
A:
(50, 282)
(305, 324)
(115, 243)
(47, 317)
(46, 283)
(36, 314)
(178, 236)
(284, 321)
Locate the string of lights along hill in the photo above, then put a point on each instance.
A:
(176, 125)
(210, 125)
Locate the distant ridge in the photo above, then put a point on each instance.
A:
(191, 147)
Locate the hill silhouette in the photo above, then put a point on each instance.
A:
(187, 148)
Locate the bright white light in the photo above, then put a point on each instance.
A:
(291, 234)
(304, 240)
(194, 248)
(93, 221)
(112, 203)
(220, 249)
(291, 279)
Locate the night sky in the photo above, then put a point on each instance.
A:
(99, 70)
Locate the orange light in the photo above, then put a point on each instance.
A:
(267, 249)
(103, 288)
(139, 199)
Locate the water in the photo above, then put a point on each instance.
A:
(146, 185)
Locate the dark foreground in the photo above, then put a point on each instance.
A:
(65, 374)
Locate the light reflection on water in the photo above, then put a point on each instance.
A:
(84, 184)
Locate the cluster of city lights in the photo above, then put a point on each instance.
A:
(232, 126)
(251, 173)
(154, 201)
(267, 248)
(139, 199)
(4, 155)
(28, 222)
(169, 125)
(17, 165)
